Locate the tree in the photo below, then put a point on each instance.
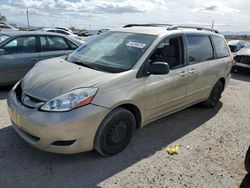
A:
(3, 18)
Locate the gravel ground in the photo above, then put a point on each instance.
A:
(213, 145)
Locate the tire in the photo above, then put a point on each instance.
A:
(214, 96)
(247, 161)
(115, 132)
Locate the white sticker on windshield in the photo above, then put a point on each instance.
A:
(136, 44)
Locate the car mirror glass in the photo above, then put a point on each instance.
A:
(159, 68)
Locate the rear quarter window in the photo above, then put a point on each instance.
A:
(220, 47)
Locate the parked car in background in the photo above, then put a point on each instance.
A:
(6, 27)
(236, 45)
(242, 59)
(65, 29)
(61, 31)
(118, 81)
(3, 37)
(87, 33)
(21, 50)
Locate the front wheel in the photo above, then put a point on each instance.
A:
(214, 96)
(115, 132)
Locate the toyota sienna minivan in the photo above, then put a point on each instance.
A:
(96, 97)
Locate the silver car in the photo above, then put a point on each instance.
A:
(20, 51)
(242, 59)
(116, 83)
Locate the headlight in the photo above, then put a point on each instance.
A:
(70, 100)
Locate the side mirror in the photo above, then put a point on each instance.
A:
(159, 68)
(2, 51)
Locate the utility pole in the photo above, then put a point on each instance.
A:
(28, 21)
(65, 19)
(213, 24)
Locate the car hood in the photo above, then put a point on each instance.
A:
(244, 51)
(54, 77)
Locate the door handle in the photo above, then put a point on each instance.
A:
(183, 73)
(192, 71)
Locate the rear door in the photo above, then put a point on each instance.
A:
(200, 59)
(223, 65)
(55, 46)
(20, 56)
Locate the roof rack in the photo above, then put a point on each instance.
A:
(174, 27)
(170, 27)
(147, 25)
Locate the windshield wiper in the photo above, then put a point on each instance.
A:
(85, 65)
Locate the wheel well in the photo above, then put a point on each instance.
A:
(223, 81)
(135, 111)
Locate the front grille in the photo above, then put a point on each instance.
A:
(30, 101)
(27, 100)
(243, 59)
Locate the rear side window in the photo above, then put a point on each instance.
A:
(53, 43)
(199, 48)
(220, 47)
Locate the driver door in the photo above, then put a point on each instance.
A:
(166, 93)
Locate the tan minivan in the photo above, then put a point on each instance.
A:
(121, 80)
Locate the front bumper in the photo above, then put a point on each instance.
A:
(242, 65)
(72, 131)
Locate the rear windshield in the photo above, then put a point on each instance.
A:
(113, 51)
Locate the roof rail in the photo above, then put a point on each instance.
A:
(147, 25)
(171, 27)
(174, 27)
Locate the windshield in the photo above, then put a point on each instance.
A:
(247, 43)
(112, 51)
(3, 37)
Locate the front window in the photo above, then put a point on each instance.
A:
(21, 45)
(113, 51)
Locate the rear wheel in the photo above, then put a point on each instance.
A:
(115, 132)
(247, 161)
(214, 96)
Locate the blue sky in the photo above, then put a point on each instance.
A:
(92, 14)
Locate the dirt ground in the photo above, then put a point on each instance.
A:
(213, 146)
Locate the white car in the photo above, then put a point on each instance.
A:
(236, 45)
(61, 31)
(5, 27)
(65, 29)
(242, 59)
